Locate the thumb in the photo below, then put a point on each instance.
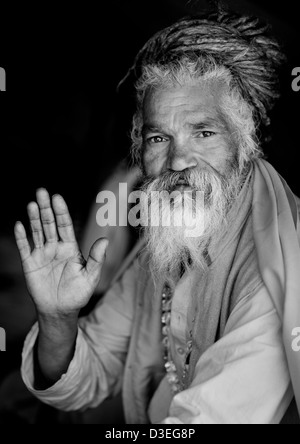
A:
(96, 257)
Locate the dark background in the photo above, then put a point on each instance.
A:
(62, 124)
(64, 127)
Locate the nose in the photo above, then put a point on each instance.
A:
(181, 158)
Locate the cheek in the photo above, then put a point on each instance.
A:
(153, 162)
(225, 164)
(219, 154)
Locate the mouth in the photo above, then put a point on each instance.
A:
(182, 185)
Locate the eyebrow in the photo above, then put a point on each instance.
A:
(209, 121)
(197, 126)
(151, 129)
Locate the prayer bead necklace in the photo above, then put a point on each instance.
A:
(176, 384)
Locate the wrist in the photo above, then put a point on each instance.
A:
(57, 326)
(57, 318)
(55, 347)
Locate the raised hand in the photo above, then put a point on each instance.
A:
(58, 278)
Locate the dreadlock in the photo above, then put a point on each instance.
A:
(241, 44)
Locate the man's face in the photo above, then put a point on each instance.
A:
(184, 128)
(187, 146)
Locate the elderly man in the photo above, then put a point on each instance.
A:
(197, 329)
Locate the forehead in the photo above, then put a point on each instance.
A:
(188, 103)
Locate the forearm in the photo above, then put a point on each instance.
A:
(55, 348)
(98, 354)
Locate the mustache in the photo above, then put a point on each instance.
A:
(169, 180)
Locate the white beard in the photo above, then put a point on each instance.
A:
(171, 246)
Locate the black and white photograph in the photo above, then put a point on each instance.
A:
(150, 215)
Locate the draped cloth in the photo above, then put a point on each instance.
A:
(277, 239)
(261, 247)
(275, 230)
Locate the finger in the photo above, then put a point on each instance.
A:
(63, 219)
(35, 224)
(96, 258)
(22, 241)
(47, 216)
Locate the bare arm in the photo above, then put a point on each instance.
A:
(59, 280)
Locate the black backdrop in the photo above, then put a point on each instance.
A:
(62, 124)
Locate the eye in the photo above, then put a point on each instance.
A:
(205, 134)
(157, 139)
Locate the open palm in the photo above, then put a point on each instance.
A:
(58, 278)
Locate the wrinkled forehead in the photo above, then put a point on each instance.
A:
(186, 102)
